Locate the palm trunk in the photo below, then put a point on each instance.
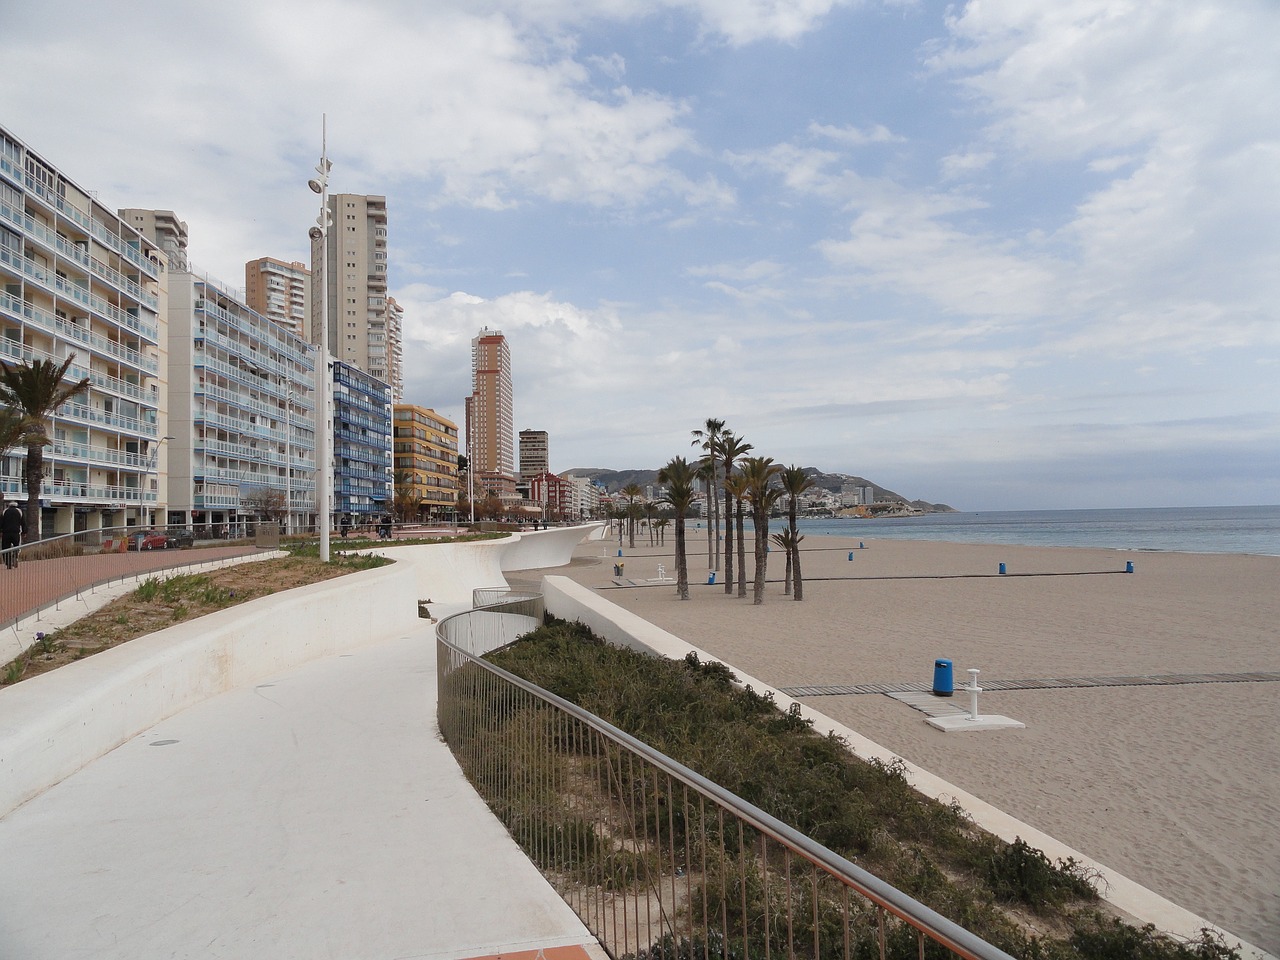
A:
(715, 508)
(742, 552)
(709, 514)
(761, 519)
(786, 583)
(682, 561)
(35, 479)
(728, 547)
(795, 549)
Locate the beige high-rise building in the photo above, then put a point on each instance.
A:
(363, 332)
(490, 417)
(279, 291)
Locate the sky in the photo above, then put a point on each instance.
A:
(997, 254)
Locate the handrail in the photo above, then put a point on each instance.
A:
(48, 572)
(552, 845)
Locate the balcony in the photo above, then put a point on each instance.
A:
(22, 311)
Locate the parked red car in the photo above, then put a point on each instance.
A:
(148, 541)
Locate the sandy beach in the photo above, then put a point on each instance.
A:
(1176, 786)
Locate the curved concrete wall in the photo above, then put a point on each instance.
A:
(53, 724)
(446, 573)
(542, 549)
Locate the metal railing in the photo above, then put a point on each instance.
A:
(656, 860)
(43, 574)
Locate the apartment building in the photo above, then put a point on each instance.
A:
(242, 415)
(279, 291)
(363, 331)
(585, 496)
(534, 454)
(490, 418)
(362, 461)
(426, 460)
(77, 279)
(395, 349)
(555, 495)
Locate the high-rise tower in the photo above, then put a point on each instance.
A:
(279, 291)
(490, 417)
(362, 331)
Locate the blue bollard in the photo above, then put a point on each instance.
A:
(1002, 570)
(620, 554)
(943, 684)
(1128, 567)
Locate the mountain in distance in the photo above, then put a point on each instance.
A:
(615, 480)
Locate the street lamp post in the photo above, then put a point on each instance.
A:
(152, 465)
(324, 476)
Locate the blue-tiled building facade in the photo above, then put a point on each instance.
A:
(362, 487)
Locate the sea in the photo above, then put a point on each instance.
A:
(1254, 530)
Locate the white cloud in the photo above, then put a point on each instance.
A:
(957, 166)
(855, 136)
(458, 108)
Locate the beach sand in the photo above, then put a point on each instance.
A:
(1176, 787)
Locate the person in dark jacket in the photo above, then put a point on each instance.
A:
(13, 526)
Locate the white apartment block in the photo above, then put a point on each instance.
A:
(243, 412)
(76, 278)
(586, 496)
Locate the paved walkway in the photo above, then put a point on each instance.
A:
(315, 815)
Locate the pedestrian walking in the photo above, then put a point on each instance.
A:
(13, 527)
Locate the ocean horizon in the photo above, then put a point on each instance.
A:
(1246, 530)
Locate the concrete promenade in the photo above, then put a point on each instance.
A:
(311, 813)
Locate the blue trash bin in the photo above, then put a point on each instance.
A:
(711, 576)
(943, 680)
(1002, 569)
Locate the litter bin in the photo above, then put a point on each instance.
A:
(943, 681)
(711, 576)
(617, 569)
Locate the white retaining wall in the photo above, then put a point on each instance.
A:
(571, 601)
(446, 573)
(54, 724)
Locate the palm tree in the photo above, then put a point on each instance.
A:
(10, 428)
(735, 486)
(783, 540)
(759, 473)
(708, 437)
(678, 476)
(661, 524)
(702, 470)
(35, 389)
(650, 515)
(795, 482)
(731, 448)
(631, 491)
